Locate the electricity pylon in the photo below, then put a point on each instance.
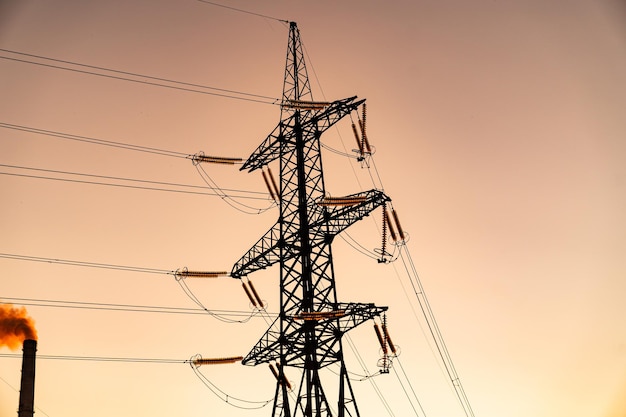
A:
(308, 332)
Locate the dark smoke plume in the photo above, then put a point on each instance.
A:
(15, 326)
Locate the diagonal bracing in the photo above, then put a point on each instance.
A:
(308, 332)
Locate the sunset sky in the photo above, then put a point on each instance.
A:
(499, 130)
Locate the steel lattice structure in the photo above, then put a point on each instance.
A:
(308, 332)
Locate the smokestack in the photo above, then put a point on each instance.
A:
(27, 388)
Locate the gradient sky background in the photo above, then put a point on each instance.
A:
(499, 130)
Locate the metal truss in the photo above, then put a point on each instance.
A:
(308, 332)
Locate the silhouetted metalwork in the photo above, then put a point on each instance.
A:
(308, 332)
(27, 385)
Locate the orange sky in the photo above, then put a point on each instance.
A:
(499, 135)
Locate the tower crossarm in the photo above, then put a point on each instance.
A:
(266, 251)
(338, 218)
(263, 254)
(334, 112)
(269, 149)
(329, 327)
(266, 349)
(358, 313)
(323, 118)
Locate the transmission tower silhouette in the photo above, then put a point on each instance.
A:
(308, 332)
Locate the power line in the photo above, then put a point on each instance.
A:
(103, 176)
(243, 11)
(437, 337)
(95, 141)
(406, 377)
(254, 195)
(245, 404)
(215, 191)
(16, 390)
(100, 358)
(113, 185)
(156, 81)
(83, 305)
(86, 264)
(218, 314)
(433, 327)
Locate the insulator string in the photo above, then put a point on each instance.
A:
(383, 249)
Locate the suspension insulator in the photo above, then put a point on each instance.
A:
(364, 115)
(284, 380)
(250, 297)
(395, 218)
(185, 273)
(366, 143)
(273, 181)
(358, 140)
(342, 201)
(383, 248)
(304, 105)
(200, 157)
(274, 372)
(389, 342)
(320, 315)
(392, 231)
(269, 188)
(381, 340)
(216, 361)
(256, 294)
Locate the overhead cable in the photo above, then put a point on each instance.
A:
(440, 344)
(154, 81)
(186, 189)
(406, 377)
(243, 11)
(84, 305)
(85, 264)
(217, 314)
(99, 358)
(16, 390)
(95, 141)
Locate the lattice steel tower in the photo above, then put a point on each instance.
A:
(308, 332)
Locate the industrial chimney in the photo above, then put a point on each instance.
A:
(27, 388)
